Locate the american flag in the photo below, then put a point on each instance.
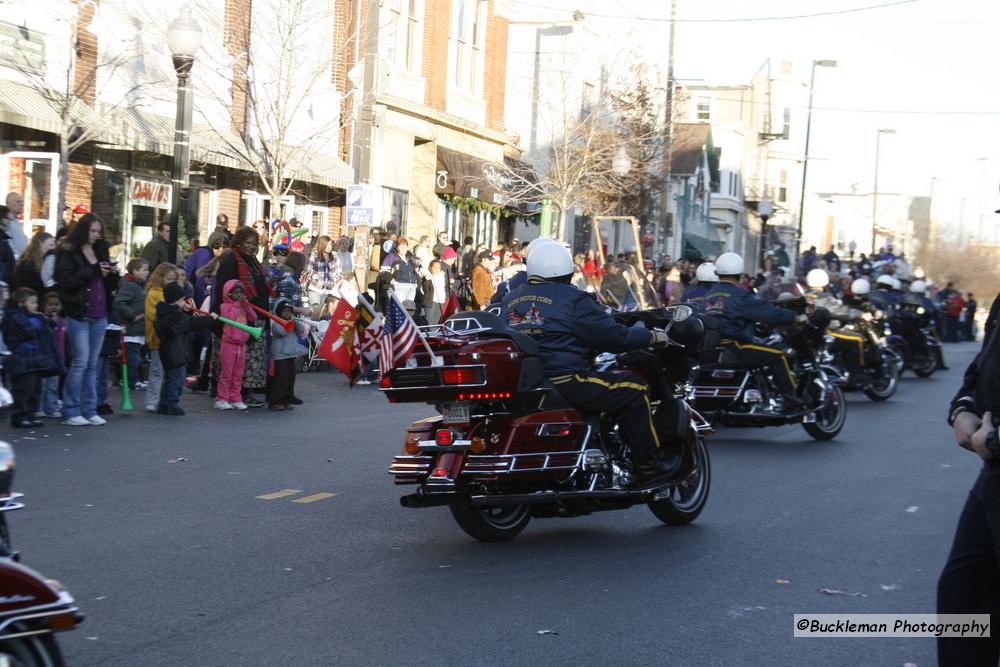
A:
(400, 337)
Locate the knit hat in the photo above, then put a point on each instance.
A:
(449, 253)
(172, 292)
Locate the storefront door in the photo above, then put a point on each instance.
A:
(35, 176)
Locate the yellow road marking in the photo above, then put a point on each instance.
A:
(279, 494)
(313, 498)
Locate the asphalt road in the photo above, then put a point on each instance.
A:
(185, 564)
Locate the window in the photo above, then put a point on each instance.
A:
(783, 188)
(786, 123)
(704, 111)
(406, 41)
(468, 39)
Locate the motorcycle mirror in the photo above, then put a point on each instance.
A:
(681, 313)
(6, 468)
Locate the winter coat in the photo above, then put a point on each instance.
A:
(482, 285)
(156, 251)
(26, 275)
(172, 327)
(285, 345)
(238, 312)
(288, 288)
(195, 261)
(130, 302)
(74, 275)
(153, 297)
(228, 271)
(32, 344)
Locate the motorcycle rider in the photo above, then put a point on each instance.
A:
(850, 346)
(570, 327)
(886, 295)
(738, 310)
(707, 278)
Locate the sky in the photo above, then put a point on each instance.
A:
(907, 61)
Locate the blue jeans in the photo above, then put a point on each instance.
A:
(173, 385)
(84, 338)
(50, 395)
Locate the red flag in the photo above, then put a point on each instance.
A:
(338, 342)
(451, 306)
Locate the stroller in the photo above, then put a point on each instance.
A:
(311, 361)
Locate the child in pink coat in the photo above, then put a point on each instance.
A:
(232, 351)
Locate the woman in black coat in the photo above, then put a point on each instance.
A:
(85, 279)
(240, 263)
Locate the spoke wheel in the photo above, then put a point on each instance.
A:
(885, 384)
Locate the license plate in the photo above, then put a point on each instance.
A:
(455, 413)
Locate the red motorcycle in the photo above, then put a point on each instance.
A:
(505, 447)
(32, 608)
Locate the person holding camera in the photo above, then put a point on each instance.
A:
(970, 581)
(85, 278)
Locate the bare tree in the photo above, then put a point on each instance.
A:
(98, 79)
(973, 269)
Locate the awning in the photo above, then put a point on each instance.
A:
(25, 106)
(132, 129)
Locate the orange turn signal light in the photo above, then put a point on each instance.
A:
(412, 444)
(477, 445)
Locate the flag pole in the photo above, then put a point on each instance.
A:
(435, 360)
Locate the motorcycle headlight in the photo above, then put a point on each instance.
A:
(921, 310)
(867, 317)
(880, 314)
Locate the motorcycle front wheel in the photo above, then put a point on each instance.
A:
(494, 524)
(830, 416)
(32, 651)
(885, 384)
(924, 365)
(686, 500)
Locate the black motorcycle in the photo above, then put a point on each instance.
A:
(728, 393)
(913, 338)
(883, 365)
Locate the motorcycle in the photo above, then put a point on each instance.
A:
(912, 338)
(32, 608)
(883, 365)
(505, 447)
(728, 393)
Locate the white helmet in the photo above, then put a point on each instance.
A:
(729, 264)
(817, 279)
(541, 240)
(884, 280)
(550, 260)
(861, 287)
(918, 287)
(896, 284)
(706, 273)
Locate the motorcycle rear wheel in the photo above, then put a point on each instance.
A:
(490, 524)
(686, 500)
(885, 386)
(34, 651)
(830, 417)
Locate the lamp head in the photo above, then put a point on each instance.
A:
(184, 34)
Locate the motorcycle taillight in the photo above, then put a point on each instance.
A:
(460, 376)
(444, 437)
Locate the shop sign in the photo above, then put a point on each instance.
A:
(150, 193)
(361, 203)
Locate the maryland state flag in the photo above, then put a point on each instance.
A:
(338, 342)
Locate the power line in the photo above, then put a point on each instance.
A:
(746, 19)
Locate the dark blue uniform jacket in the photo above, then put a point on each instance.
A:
(568, 325)
(738, 309)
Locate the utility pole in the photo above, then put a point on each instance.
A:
(670, 114)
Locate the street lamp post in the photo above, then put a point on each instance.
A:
(621, 164)
(805, 157)
(184, 40)
(878, 143)
(764, 209)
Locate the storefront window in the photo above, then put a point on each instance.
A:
(110, 198)
(35, 176)
(395, 207)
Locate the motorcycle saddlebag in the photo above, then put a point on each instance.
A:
(671, 420)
